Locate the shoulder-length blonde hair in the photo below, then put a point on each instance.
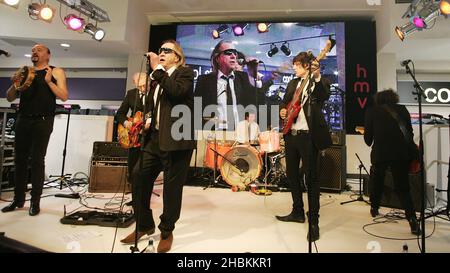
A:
(178, 50)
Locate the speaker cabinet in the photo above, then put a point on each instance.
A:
(390, 198)
(108, 178)
(332, 169)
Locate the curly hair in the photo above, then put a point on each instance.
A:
(304, 58)
(387, 96)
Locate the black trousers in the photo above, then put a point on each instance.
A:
(175, 166)
(301, 147)
(31, 140)
(400, 170)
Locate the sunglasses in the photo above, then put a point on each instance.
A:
(229, 52)
(166, 50)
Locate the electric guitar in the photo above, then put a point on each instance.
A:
(129, 138)
(295, 105)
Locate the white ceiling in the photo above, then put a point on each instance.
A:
(427, 45)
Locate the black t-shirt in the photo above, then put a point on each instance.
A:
(38, 99)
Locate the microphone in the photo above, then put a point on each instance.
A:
(6, 53)
(405, 62)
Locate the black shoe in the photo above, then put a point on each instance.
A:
(374, 212)
(34, 208)
(14, 204)
(130, 204)
(315, 234)
(292, 217)
(414, 225)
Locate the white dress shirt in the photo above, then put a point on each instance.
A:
(301, 123)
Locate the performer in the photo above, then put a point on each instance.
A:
(309, 134)
(163, 151)
(247, 131)
(225, 86)
(134, 102)
(390, 149)
(34, 126)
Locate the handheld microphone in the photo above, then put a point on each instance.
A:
(405, 62)
(6, 53)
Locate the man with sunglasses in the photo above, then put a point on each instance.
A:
(172, 86)
(225, 86)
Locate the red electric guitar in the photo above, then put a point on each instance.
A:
(295, 105)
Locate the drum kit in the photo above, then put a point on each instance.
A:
(242, 164)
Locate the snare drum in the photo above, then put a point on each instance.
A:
(269, 141)
(222, 148)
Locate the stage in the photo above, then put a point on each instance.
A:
(221, 221)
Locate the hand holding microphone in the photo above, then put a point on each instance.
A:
(153, 59)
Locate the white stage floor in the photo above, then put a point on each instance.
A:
(221, 221)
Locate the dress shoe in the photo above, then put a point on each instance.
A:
(315, 234)
(34, 208)
(130, 238)
(129, 203)
(374, 212)
(292, 217)
(165, 244)
(13, 205)
(414, 225)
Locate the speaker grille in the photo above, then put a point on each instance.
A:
(331, 168)
(108, 178)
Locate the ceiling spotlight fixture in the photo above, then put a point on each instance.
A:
(444, 6)
(405, 30)
(220, 30)
(96, 33)
(43, 12)
(238, 29)
(12, 3)
(273, 50)
(263, 27)
(74, 22)
(285, 49)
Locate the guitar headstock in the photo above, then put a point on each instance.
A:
(323, 54)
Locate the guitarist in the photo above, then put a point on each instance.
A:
(308, 135)
(133, 102)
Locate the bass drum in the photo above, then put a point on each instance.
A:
(241, 166)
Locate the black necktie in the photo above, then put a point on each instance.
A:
(228, 90)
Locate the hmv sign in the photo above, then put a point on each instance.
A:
(438, 93)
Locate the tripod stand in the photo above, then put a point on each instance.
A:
(65, 178)
(216, 178)
(360, 195)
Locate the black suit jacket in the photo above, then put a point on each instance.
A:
(178, 90)
(382, 130)
(206, 89)
(129, 102)
(316, 121)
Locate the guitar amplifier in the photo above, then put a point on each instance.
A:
(109, 151)
(332, 169)
(109, 176)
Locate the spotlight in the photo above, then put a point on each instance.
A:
(285, 49)
(444, 6)
(426, 15)
(405, 30)
(41, 11)
(273, 50)
(263, 27)
(220, 30)
(96, 33)
(418, 22)
(74, 22)
(238, 29)
(12, 3)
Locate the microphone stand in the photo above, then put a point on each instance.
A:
(420, 94)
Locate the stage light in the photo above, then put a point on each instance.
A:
(285, 49)
(43, 12)
(405, 30)
(444, 6)
(74, 22)
(12, 3)
(273, 50)
(220, 30)
(96, 33)
(238, 29)
(428, 13)
(263, 27)
(418, 22)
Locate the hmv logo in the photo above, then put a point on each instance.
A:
(361, 86)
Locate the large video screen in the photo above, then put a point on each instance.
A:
(273, 50)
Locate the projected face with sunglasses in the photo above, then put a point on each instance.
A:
(168, 56)
(227, 58)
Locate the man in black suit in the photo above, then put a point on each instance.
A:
(134, 102)
(390, 149)
(308, 135)
(225, 87)
(165, 149)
